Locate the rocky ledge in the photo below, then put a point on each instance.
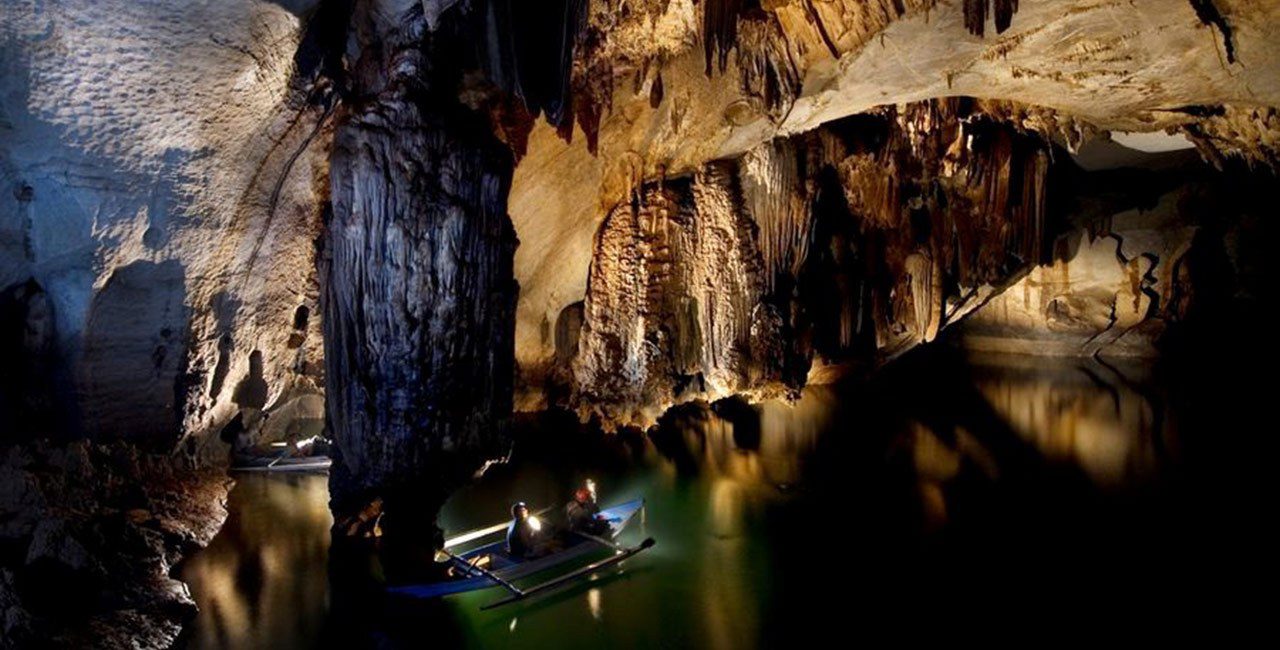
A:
(88, 535)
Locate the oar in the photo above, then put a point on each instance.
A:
(278, 458)
(556, 582)
(515, 591)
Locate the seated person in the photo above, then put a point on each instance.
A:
(524, 535)
(583, 513)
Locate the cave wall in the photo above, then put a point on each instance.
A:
(1107, 291)
(161, 166)
(657, 101)
(714, 197)
(846, 245)
(1162, 249)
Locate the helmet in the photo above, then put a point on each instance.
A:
(515, 508)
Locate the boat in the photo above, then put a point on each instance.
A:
(472, 572)
(281, 464)
(300, 456)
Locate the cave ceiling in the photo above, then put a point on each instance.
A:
(1068, 70)
(199, 133)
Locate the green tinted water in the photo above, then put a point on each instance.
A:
(940, 489)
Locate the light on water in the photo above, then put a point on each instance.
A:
(931, 488)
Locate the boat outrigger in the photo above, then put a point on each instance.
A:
(471, 573)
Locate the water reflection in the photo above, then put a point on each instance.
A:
(261, 582)
(936, 485)
(1088, 412)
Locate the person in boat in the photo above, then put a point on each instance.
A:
(583, 513)
(525, 538)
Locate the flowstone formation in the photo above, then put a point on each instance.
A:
(418, 290)
(847, 244)
(211, 211)
(641, 75)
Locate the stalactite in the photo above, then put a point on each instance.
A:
(976, 11)
(844, 243)
(937, 186)
(768, 71)
(1246, 135)
(528, 51)
(655, 91)
(1209, 15)
(720, 30)
(777, 199)
(1004, 10)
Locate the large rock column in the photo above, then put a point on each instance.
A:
(418, 285)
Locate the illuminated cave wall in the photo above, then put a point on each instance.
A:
(164, 133)
(847, 244)
(163, 170)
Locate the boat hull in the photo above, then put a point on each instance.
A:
(619, 517)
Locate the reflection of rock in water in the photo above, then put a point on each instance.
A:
(756, 445)
(1078, 411)
(265, 568)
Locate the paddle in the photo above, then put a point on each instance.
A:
(486, 573)
(279, 458)
(555, 582)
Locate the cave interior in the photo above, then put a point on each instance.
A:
(417, 235)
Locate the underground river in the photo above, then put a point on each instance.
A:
(979, 488)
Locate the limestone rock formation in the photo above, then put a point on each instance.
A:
(676, 302)
(731, 282)
(222, 169)
(797, 64)
(419, 298)
(297, 206)
(163, 168)
(96, 529)
(1157, 242)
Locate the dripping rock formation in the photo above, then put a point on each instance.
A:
(397, 221)
(418, 289)
(735, 280)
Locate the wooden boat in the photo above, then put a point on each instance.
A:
(500, 569)
(281, 464)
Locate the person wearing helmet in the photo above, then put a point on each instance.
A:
(524, 535)
(583, 513)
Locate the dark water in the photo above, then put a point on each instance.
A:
(946, 494)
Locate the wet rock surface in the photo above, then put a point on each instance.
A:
(88, 535)
(419, 296)
(1158, 248)
(211, 211)
(845, 245)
